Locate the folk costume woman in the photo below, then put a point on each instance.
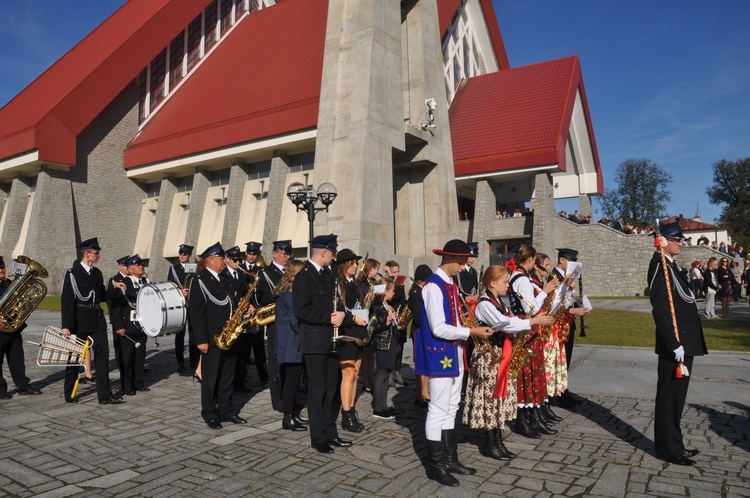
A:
(526, 301)
(491, 397)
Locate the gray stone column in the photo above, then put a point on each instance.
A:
(197, 204)
(543, 205)
(584, 205)
(484, 215)
(158, 265)
(236, 188)
(18, 200)
(54, 248)
(274, 203)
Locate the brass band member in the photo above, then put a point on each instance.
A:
(82, 294)
(385, 343)
(211, 305)
(288, 353)
(491, 397)
(177, 274)
(238, 283)
(11, 345)
(393, 270)
(365, 280)
(113, 296)
(421, 274)
(313, 295)
(526, 301)
(132, 337)
(350, 354)
(439, 355)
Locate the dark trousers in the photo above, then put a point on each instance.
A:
(241, 348)
(401, 338)
(569, 343)
(11, 347)
(133, 359)
(322, 387)
(118, 356)
(670, 402)
(367, 368)
(101, 364)
(179, 349)
(380, 390)
(290, 376)
(273, 374)
(216, 388)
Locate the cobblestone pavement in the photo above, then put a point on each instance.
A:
(157, 445)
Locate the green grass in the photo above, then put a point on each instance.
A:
(633, 328)
(52, 303)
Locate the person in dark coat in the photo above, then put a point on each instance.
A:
(313, 298)
(673, 346)
(385, 343)
(82, 315)
(288, 353)
(11, 346)
(421, 274)
(113, 297)
(177, 274)
(239, 283)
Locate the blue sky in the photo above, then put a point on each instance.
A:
(666, 80)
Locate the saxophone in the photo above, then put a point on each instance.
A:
(469, 319)
(519, 355)
(404, 317)
(22, 296)
(236, 324)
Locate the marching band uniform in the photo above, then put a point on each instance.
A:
(532, 388)
(385, 344)
(491, 397)
(81, 313)
(238, 282)
(113, 298)
(11, 345)
(671, 391)
(270, 276)
(211, 305)
(177, 275)
(313, 296)
(414, 301)
(134, 346)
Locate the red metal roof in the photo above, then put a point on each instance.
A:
(518, 118)
(50, 113)
(446, 10)
(263, 80)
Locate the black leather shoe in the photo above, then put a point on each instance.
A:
(301, 420)
(680, 460)
(29, 390)
(690, 453)
(341, 443)
(236, 419)
(7, 396)
(111, 401)
(322, 448)
(290, 424)
(180, 367)
(214, 424)
(130, 392)
(71, 400)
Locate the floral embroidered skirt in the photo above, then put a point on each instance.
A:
(482, 410)
(532, 385)
(555, 367)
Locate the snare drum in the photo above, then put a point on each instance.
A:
(160, 308)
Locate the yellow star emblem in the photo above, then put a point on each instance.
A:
(446, 362)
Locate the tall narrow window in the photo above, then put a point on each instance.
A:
(158, 75)
(240, 7)
(176, 54)
(142, 96)
(210, 25)
(226, 16)
(194, 42)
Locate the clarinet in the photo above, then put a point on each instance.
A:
(336, 335)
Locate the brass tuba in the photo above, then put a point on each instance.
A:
(22, 296)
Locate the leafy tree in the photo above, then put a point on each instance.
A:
(732, 188)
(640, 194)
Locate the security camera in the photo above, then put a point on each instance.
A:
(431, 104)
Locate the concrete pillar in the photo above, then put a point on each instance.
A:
(18, 200)
(360, 122)
(237, 179)
(158, 265)
(584, 205)
(274, 203)
(53, 207)
(197, 204)
(543, 204)
(484, 215)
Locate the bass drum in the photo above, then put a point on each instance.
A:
(160, 308)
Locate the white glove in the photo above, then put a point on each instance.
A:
(679, 354)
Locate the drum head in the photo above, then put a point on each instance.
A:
(149, 309)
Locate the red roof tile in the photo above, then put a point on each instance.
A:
(50, 112)
(517, 118)
(263, 80)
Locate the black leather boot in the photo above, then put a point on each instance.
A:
(490, 448)
(451, 455)
(549, 414)
(523, 425)
(536, 422)
(501, 446)
(356, 419)
(436, 466)
(347, 421)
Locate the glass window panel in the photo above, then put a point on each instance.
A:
(176, 54)
(240, 7)
(211, 15)
(220, 177)
(158, 75)
(226, 15)
(194, 42)
(142, 96)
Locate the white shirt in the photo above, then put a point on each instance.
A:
(489, 314)
(86, 267)
(524, 288)
(432, 296)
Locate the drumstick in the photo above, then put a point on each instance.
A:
(137, 344)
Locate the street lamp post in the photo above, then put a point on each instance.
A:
(304, 197)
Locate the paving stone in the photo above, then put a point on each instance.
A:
(110, 480)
